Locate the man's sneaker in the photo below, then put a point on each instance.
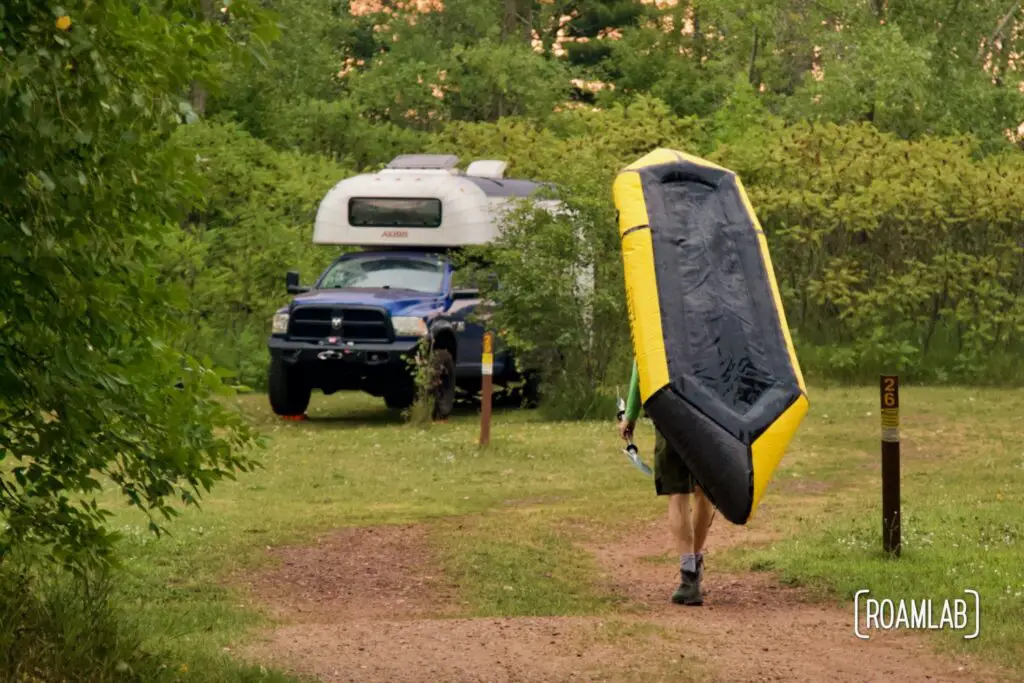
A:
(688, 592)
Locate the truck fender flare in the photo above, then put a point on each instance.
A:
(444, 328)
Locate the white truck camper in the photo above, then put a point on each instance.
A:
(422, 201)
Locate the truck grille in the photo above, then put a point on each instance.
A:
(358, 324)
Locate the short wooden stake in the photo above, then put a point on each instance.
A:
(486, 371)
(890, 394)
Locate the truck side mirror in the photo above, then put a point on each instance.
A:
(292, 282)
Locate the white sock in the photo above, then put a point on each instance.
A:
(688, 562)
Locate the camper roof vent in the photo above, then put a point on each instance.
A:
(443, 162)
(487, 168)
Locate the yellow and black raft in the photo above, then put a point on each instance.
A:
(718, 373)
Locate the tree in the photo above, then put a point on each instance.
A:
(317, 41)
(459, 64)
(93, 390)
(919, 68)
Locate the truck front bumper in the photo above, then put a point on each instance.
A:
(331, 356)
(378, 369)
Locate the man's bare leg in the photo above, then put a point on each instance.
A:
(701, 520)
(680, 522)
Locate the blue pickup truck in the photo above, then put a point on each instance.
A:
(359, 325)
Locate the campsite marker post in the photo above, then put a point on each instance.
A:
(890, 395)
(486, 371)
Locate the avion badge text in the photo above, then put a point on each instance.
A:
(888, 614)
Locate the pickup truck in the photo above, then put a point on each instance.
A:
(359, 326)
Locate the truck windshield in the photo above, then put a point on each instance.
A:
(385, 272)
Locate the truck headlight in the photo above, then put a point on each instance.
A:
(280, 325)
(409, 327)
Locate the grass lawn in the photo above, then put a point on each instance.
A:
(962, 507)
(351, 464)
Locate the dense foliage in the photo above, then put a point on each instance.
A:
(848, 122)
(894, 254)
(93, 388)
(249, 226)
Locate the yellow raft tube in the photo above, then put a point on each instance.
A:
(718, 372)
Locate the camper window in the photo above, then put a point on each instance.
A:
(385, 272)
(389, 212)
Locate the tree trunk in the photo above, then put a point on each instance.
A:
(513, 22)
(508, 20)
(199, 93)
(526, 20)
(752, 70)
(698, 39)
(517, 20)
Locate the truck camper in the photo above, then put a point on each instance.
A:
(358, 325)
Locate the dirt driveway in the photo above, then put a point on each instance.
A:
(369, 605)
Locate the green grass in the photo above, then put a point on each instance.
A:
(526, 569)
(526, 503)
(962, 506)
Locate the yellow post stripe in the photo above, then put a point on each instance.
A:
(767, 451)
(762, 242)
(641, 284)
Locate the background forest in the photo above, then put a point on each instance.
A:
(876, 140)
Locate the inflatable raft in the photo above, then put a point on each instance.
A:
(718, 373)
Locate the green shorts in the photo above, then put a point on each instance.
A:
(671, 475)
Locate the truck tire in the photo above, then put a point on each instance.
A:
(400, 400)
(531, 391)
(288, 391)
(443, 366)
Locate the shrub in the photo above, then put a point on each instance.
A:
(253, 224)
(58, 627)
(93, 387)
(893, 255)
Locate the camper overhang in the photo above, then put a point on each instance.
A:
(418, 201)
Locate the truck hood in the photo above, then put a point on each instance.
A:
(395, 301)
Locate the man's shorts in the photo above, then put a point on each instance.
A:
(671, 475)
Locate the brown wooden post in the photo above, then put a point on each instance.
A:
(890, 394)
(486, 371)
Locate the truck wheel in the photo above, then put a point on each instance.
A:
(531, 391)
(399, 400)
(288, 392)
(443, 366)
